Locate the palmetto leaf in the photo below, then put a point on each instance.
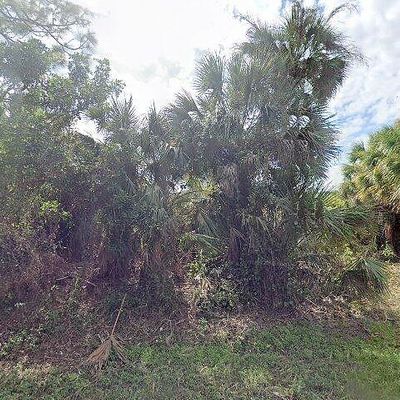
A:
(210, 244)
(342, 221)
(367, 274)
(347, 6)
(210, 75)
(183, 109)
(122, 118)
(373, 172)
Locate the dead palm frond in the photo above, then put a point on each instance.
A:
(99, 357)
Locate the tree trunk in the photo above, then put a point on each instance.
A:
(392, 233)
(274, 289)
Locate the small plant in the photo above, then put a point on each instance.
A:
(28, 339)
(366, 275)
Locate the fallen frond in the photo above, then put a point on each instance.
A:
(99, 357)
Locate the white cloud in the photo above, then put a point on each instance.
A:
(153, 44)
(369, 98)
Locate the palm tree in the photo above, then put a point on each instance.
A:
(263, 141)
(139, 172)
(372, 177)
(312, 52)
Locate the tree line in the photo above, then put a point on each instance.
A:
(223, 189)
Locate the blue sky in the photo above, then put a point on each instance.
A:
(153, 45)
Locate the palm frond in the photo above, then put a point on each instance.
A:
(122, 121)
(210, 75)
(367, 274)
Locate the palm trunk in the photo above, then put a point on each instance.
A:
(274, 289)
(392, 233)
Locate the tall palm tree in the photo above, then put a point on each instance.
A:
(314, 53)
(263, 140)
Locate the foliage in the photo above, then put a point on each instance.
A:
(366, 274)
(63, 22)
(230, 177)
(264, 142)
(372, 174)
(372, 178)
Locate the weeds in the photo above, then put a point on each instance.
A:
(23, 339)
(289, 361)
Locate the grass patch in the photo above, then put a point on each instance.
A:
(293, 361)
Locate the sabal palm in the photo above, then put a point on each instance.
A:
(265, 141)
(315, 54)
(140, 169)
(372, 177)
(373, 173)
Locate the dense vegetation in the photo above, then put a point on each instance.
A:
(216, 202)
(372, 177)
(225, 184)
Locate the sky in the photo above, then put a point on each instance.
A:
(153, 46)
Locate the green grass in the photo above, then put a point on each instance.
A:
(294, 361)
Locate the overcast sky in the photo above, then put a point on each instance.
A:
(153, 46)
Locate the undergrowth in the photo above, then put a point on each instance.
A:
(290, 361)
